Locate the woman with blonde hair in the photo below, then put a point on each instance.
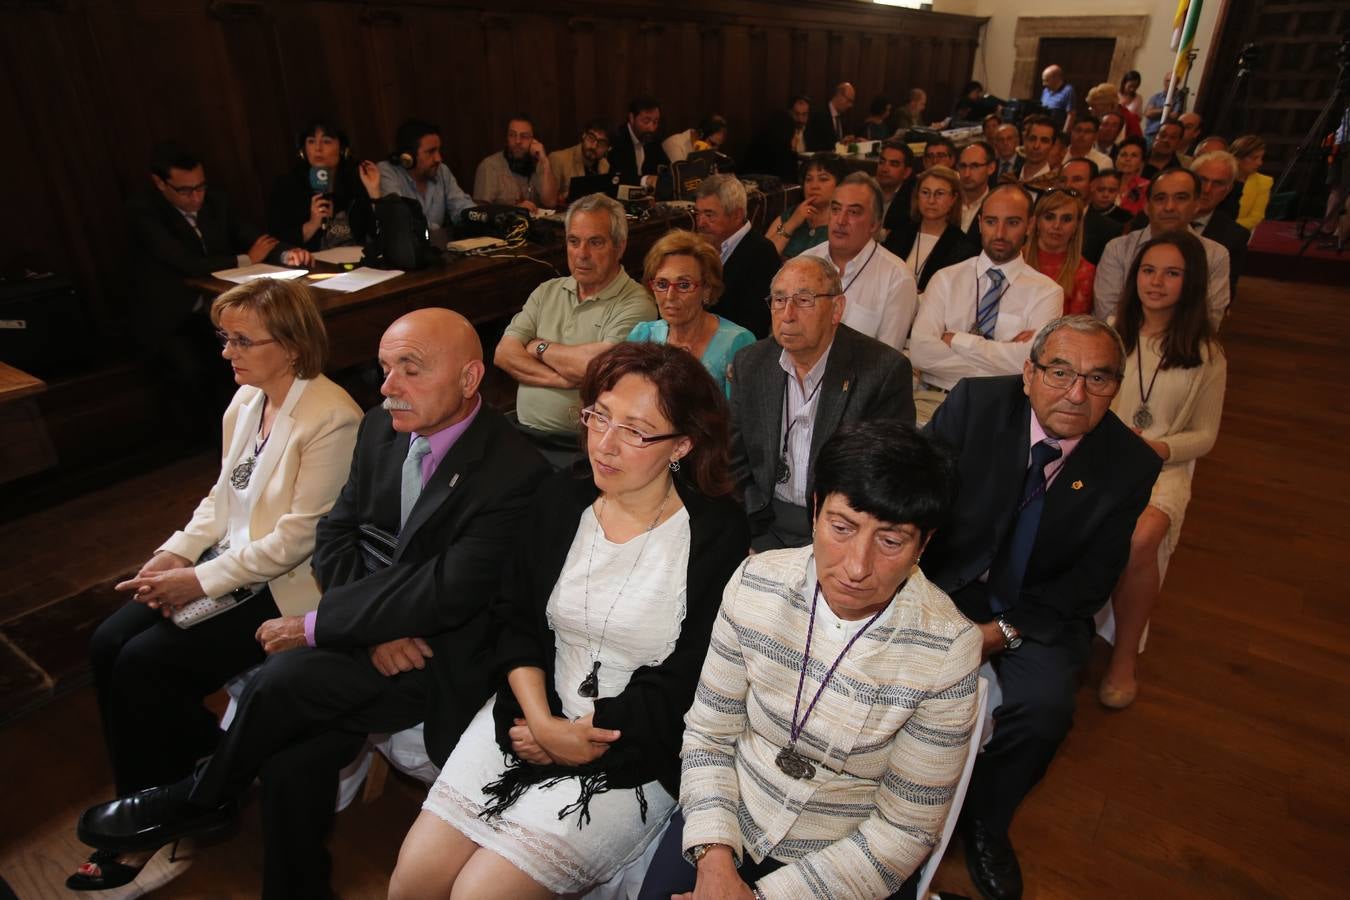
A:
(1253, 188)
(684, 274)
(1054, 247)
(244, 558)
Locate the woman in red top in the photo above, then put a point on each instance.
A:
(1130, 158)
(1055, 247)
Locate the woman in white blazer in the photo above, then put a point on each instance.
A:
(287, 441)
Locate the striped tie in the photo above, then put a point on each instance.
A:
(986, 314)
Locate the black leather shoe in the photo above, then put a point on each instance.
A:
(150, 819)
(991, 862)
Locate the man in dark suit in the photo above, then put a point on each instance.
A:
(789, 393)
(749, 260)
(635, 155)
(895, 177)
(1051, 486)
(1217, 171)
(1077, 175)
(178, 230)
(408, 558)
(774, 148)
(826, 126)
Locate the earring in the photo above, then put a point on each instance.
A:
(674, 466)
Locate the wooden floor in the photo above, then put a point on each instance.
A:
(1228, 778)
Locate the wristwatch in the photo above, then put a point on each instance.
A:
(539, 349)
(698, 851)
(1011, 639)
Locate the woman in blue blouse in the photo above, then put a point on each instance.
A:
(684, 274)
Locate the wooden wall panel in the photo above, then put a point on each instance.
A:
(92, 84)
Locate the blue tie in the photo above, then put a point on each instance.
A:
(411, 487)
(986, 314)
(1010, 566)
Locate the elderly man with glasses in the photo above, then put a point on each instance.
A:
(791, 391)
(1052, 485)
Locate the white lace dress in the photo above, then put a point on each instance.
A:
(644, 624)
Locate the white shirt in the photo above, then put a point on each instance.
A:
(639, 150)
(1114, 266)
(799, 422)
(1103, 161)
(679, 145)
(1030, 300)
(1029, 174)
(733, 241)
(880, 290)
(968, 211)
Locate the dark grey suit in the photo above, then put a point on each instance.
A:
(864, 379)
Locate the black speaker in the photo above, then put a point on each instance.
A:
(42, 323)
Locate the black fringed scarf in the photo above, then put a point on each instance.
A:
(520, 776)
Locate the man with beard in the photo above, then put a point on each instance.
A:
(520, 175)
(978, 317)
(587, 157)
(635, 154)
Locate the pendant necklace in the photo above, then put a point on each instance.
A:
(590, 685)
(241, 473)
(789, 761)
(782, 471)
(1142, 417)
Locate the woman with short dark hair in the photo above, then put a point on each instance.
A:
(326, 198)
(838, 699)
(605, 618)
(805, 224)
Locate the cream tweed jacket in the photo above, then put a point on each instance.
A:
(888, 737)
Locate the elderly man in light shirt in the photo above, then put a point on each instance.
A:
(978, 317)
(881, 291)
(1173, 203)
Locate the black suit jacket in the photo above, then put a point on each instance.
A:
(820, 133)
(898, 213)
(771, 150)
(953, 246)
(446, 566)
(650, 710)
(1089, 515)
(1098, 230)
(623, 157)
(1224, 229)
(165, 250)
(864, 379)
(747, 276)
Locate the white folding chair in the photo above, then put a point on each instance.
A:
(984, 728)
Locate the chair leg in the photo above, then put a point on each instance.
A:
(379, 770)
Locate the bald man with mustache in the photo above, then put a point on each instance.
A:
(407, 560)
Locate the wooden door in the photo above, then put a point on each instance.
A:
(1086, 63)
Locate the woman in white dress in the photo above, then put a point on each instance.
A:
(571, 771)
(1172, 395)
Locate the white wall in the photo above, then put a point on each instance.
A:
(994, 59)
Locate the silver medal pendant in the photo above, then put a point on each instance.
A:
(242, 473)
(794, 765)
(1142, 417)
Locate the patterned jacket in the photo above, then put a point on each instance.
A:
(888, 737)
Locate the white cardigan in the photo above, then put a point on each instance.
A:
(299, 474)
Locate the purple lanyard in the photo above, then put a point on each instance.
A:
(795, 731)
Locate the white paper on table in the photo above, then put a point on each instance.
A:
(259, 270)
(357, 279)
(341, 255)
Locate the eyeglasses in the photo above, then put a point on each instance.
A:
(598, 141)
(601, 424)
(1061, 378)
(939, 194)
(242, 344)
(1061, 189)
(803, 299)
(187, 190)
(683, 286)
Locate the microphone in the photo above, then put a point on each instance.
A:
(321, 182)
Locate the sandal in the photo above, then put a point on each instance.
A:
(103, 872)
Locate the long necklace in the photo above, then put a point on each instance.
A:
(590, 685)
(789, 761)
(875, 245)
(244, 471)
(783, 470)
(1142, 417)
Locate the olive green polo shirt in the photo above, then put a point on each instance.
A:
(555, 312)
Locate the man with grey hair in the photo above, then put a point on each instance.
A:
(1038, 453)
(749, 259)
(567, 322)
(790, 392)
(1217, 171)
(881, 290)
(978, 316)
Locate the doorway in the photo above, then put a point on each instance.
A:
(1086, 63)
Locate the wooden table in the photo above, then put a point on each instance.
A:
(15, 383)
(27, 448)
(482, 288)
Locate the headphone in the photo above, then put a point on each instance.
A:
(344, 151)
(407, 139)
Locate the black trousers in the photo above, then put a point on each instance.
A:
(151, 677)
(1038, 683)
(303, 717)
